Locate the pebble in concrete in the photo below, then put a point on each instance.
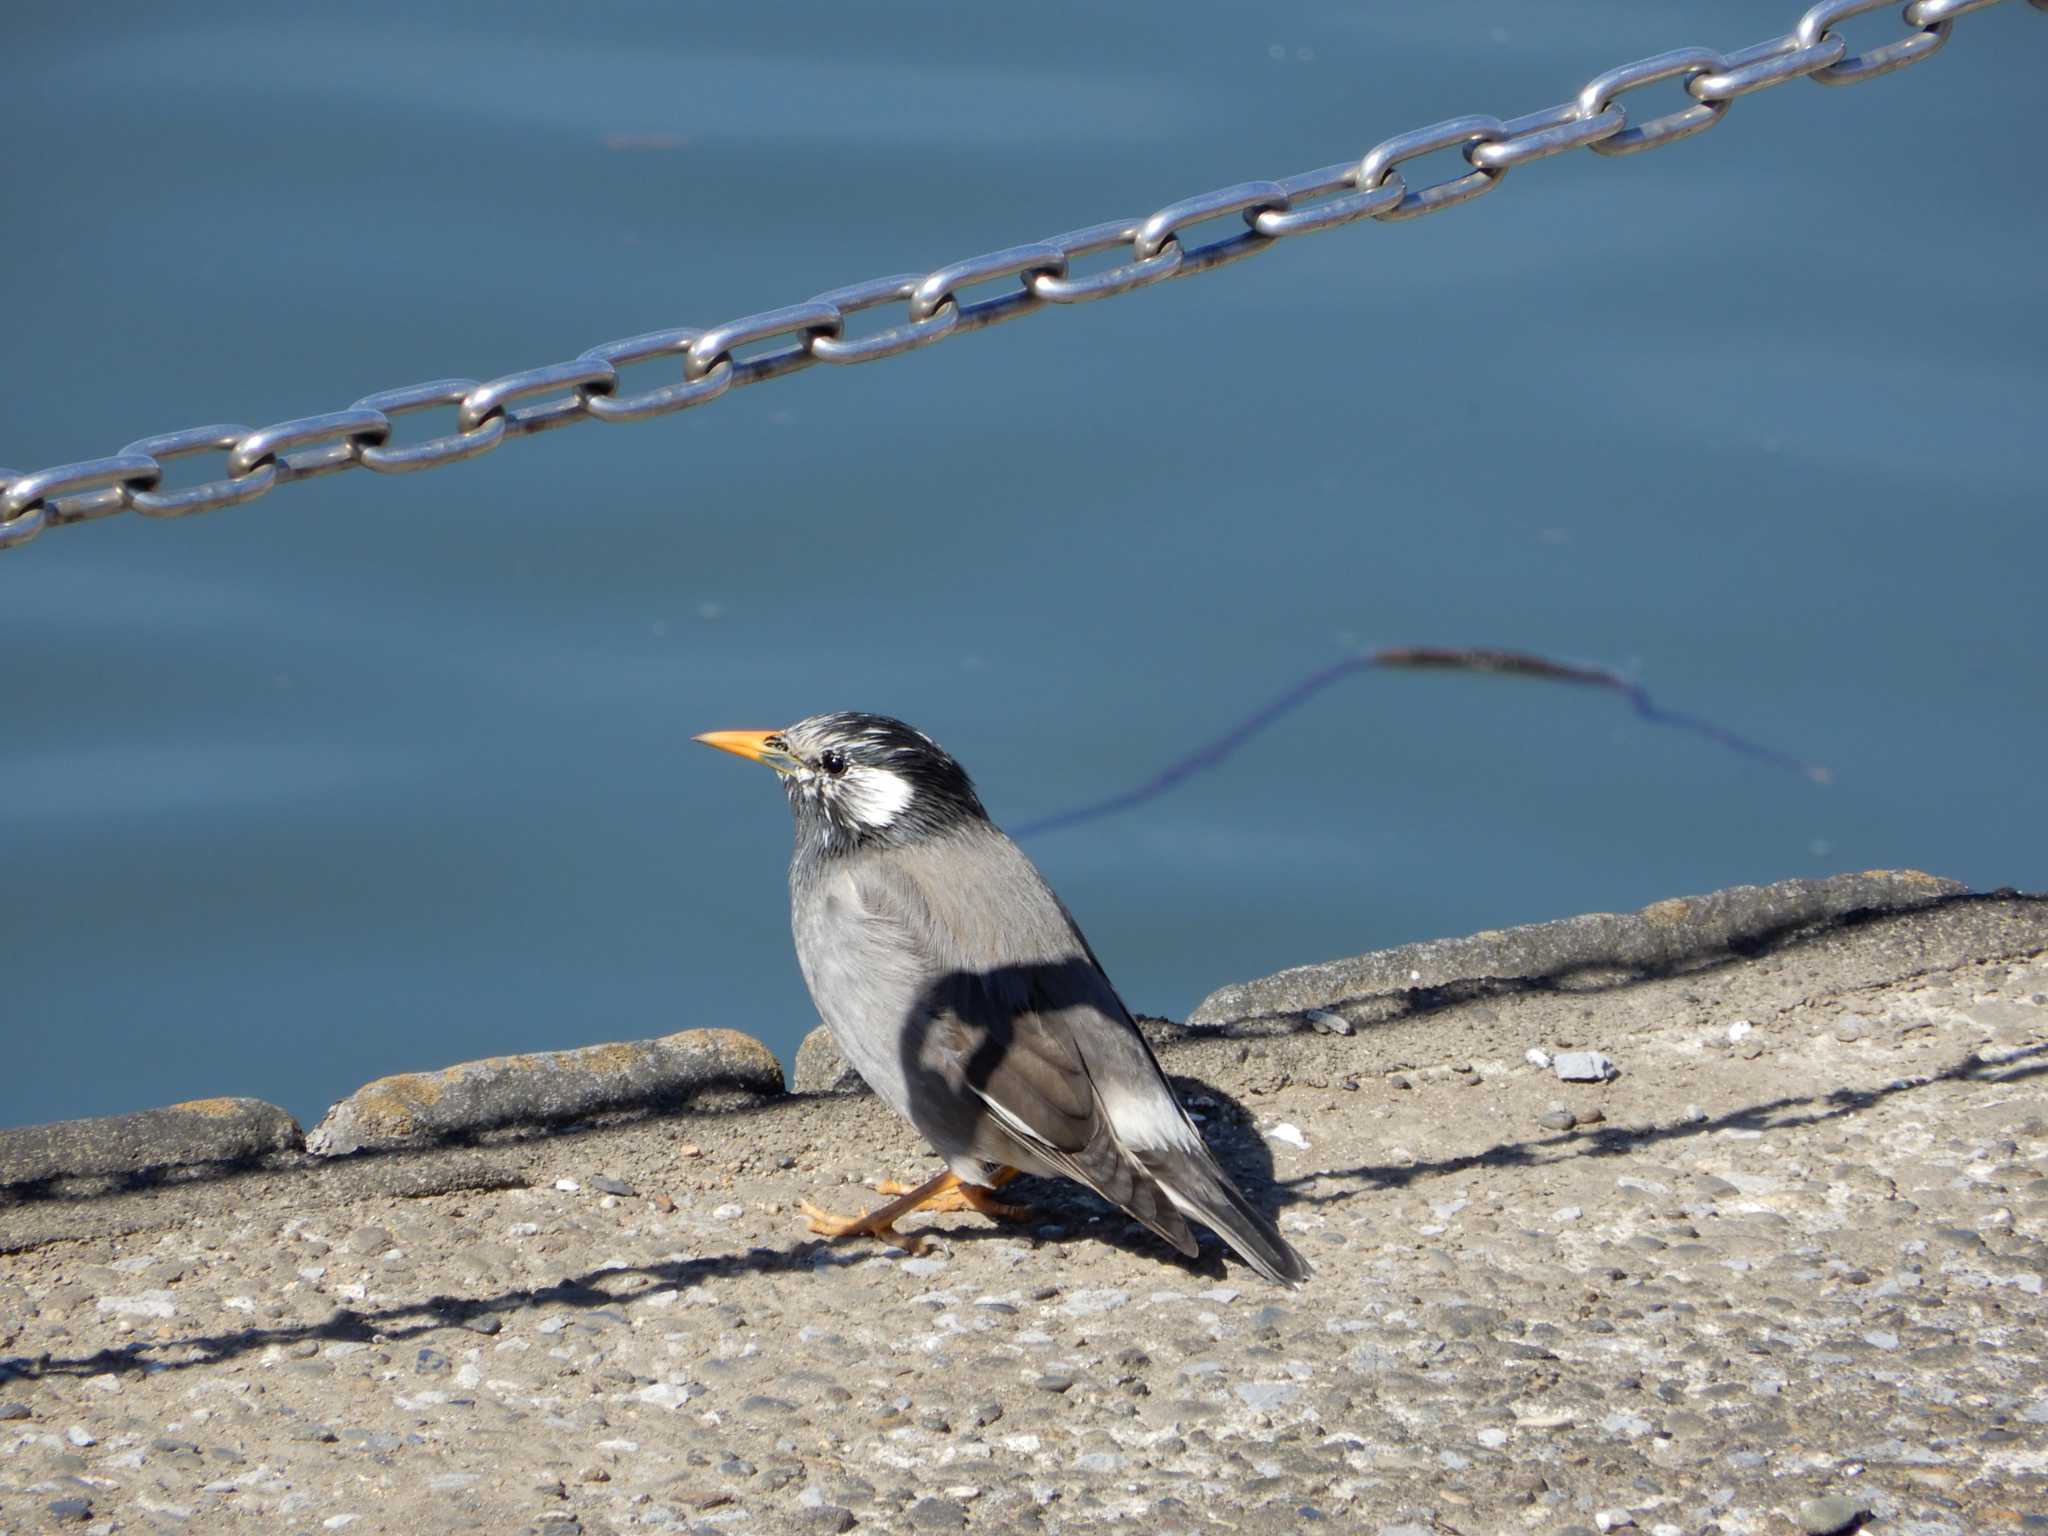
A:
(1584, 1067)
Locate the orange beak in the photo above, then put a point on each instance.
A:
(752, 745)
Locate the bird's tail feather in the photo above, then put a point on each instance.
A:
(1199, 1188)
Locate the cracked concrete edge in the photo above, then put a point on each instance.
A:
(210, 1131)
(1598, 948)
(822, 1068)
(715, 1068)
(1435, 1037)
(698, 1069)
(693, 1068)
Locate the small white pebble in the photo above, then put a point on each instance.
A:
(567, 1186)
(142, 1304)
(1537, 1057)
(1290, 1133)
(728, 1211)
(1738, 1029)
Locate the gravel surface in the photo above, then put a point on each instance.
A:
(1782, 1273)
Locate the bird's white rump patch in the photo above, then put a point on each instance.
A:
(873, 797)
(1147, 1117)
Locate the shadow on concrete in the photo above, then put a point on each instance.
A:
(1076, 1215)
(1066, 1212)
(483, 1161)
(1612, 1141)
(403, 1321)
(1581, 970)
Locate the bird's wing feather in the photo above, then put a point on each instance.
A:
(1019, 1033)
(1003, 1039)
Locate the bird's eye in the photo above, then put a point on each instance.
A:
(833, 761)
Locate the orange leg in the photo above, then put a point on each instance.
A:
(944, 1192)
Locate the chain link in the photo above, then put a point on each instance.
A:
(1152, 251)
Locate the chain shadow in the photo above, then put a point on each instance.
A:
(1614, 1141)
(402, 1321)
(1085, 1217)
(1591, 973)
(1070, 1212)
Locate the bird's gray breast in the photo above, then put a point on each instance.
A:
(920, 960)
(863, 976)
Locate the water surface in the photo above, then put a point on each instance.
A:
(385, 773)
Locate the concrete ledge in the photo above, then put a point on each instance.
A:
(1809, 1239)
(1594, 950)
(418, 1109)
(208, 1131)
(820, 1068)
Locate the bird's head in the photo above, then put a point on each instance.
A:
(856, 779)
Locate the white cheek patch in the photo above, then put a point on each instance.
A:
(873, 797)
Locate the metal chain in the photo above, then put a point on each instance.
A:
(588, 387)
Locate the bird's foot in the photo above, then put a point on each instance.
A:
(962, 1196)
(944, 1192)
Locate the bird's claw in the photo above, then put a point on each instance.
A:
(838, 1228)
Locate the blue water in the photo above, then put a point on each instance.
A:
(384, 773)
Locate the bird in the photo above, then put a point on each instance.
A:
(962, 991)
